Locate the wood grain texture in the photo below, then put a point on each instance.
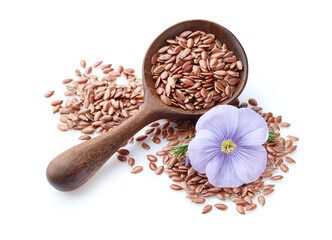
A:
(77, 165)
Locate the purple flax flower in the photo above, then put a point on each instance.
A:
(228, 146)
(187, 160)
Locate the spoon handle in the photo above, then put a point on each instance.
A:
(77, 165)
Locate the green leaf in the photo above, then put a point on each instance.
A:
(181, 149)
(272, 136)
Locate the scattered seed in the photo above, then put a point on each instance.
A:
(198, 200)
(84, 137)
(295, 139)
(152, 158)
(289, 159)
(176, 187)
(252, 102)
(284, 168)
(152, 166)
(159, 170)
(277, 177)
(131, 162)
(268, 191)
(240, 209)
(123, 151)
(154, 124)
(82, 63)
(207, 209)
(62, 127)
(261, 200)
(97, 64)
(141, 138)
(156, 140)
(56, 102)
(137, 169)
(221, 206)
(145, 146)
(48, 94)
(251, 207)
(121, 158)
(285, 124)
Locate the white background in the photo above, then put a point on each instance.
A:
(288, 44)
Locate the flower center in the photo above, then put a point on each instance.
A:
(228, 146)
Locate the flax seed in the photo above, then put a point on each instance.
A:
(137, 169)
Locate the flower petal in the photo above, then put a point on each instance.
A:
(202, 149)
(249, 162)
(221, 172)
(222, 120)
(252, 129)
(187, 161)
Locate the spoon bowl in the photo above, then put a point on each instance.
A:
(221, 33)
(74, 167)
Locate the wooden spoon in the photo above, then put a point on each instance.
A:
(72, 168)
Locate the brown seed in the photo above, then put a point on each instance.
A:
(284, 168)
(240, 209)
(157, 132)
(152, 166)
(172, 162)
(248, 199)
(198, 200)
(276, 177)
(239, 65)
(141, 138)
(294, 139)
(161, 153)
(62, 127)
(187, 58)
(121, 158)
(221, 196)
(285, 124)
(149, 131)
(123, 151)
(82, 63)
(268, 191)
(154, 124)
(84, 137)
(156, 140)
(251, 207)
(292, 149)
(221, 206)
(207, 209)
(172, 137)
(176, 187)
(159, 170)
(137, 169)
(145, 146)
(252, 102)
(165, 100)
(56, 109)
(289, 159)
(97, 64)
(56, 102)
(288, 143)
(88, 130)
(88, 70)
(261, 200)
(48, 94)
(152, 158)
(269, 186)
(131, 162)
